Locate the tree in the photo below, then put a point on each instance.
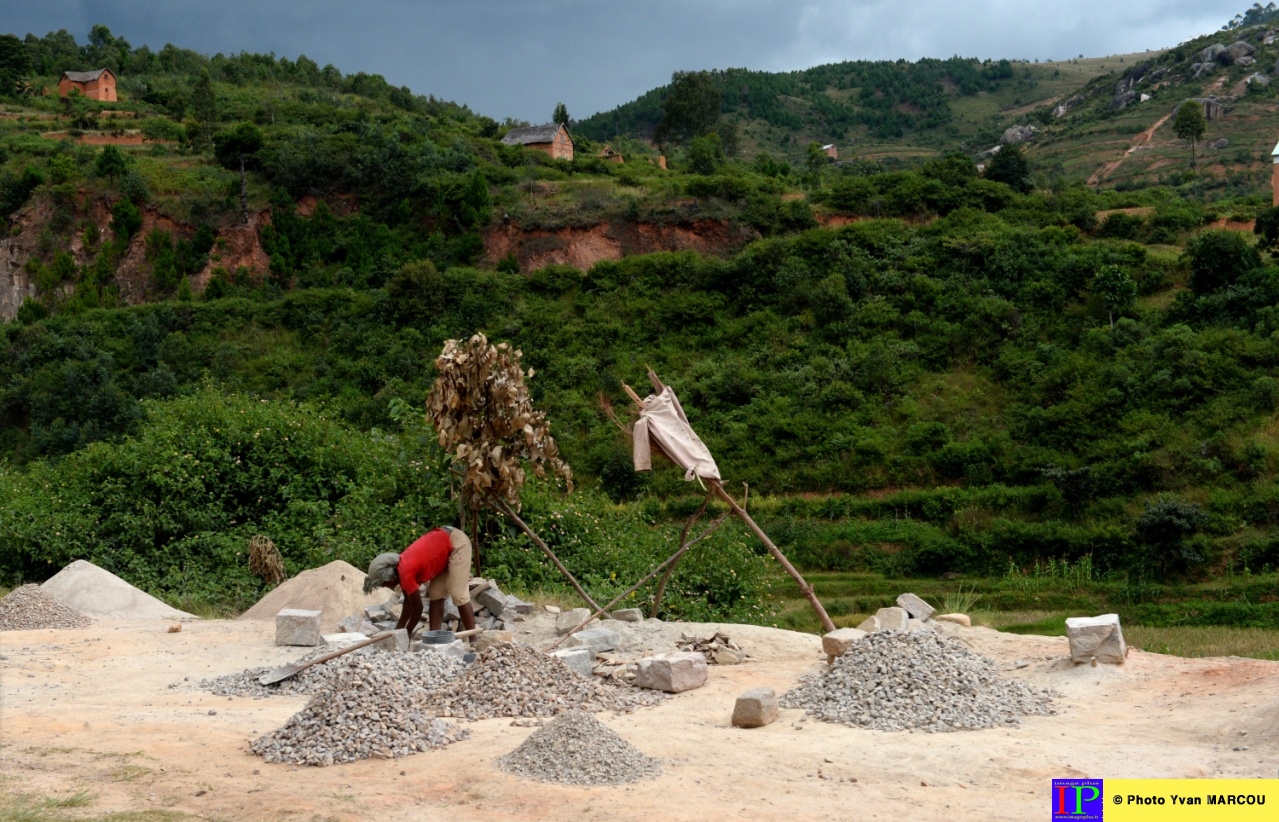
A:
(204, 105)
(705, 154)
(1164, 528)
(1190, 124)
(1010, 167)
(1218, 259)
(1267, 229)
(237, 147)
(15, 62)
(690, 109)
(1115, 289)
(111, 163)
(560, 117)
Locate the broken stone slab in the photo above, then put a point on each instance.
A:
(958, 619)
(552, 609)
(915, 606)
(1098, 637)
(492, 599)
(488, 623)
(837, 642)
(578, 660)
(516, 605)
(570, 619)
(914, 625)
(450, 610)
(491, 638)
(397, 641)
(727, 657)
(343, 640)
(598, 640)
(294, 626)
(376, 613)
(628, 615)
(870, 625)
(892, 619)
(673, 672)
(755, 708)
(351, 624)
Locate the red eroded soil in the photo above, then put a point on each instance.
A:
(131, 139)
(583, 247)
(236, 247)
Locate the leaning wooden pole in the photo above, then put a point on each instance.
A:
(804, 587)
(501, 505)
(683, 538)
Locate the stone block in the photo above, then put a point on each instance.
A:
(916, 607)
(892, 619)
(351, 624)
(450, 610)
(488, 623)
(755, 708)
(294, 626)
(870, 625)
(579, 660)
(343, 640)
(727, 657)
(492, 599)
(570, 619)
(376, 613)
(384, 625)
(491, 638)
(1098, 637)
(552, 609)
(958, 619)
(397, 641)
(673, 672)
(628, 615)
(913, 625)
(516, 605)
(598, 640)
(837, 642)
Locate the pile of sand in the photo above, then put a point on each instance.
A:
(99, 593)
(336, 589)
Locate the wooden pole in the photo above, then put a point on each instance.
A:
(683, 536)
(674, 558)
(501, 505)
(804, 587)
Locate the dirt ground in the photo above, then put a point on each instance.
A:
(113, 709)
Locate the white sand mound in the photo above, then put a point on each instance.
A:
(99, 593)
(336, 589)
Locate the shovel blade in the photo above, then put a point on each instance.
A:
(279, 674)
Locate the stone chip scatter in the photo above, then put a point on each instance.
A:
(425, 671)
(364, 711)
(29, 607)
(895, 681)
(576, 749)
(518, 681)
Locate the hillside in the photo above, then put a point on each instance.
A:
(917, 371)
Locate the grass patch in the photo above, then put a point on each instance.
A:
(129, 773)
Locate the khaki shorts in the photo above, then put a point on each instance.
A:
(455, 580)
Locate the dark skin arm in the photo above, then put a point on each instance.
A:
(411, 613)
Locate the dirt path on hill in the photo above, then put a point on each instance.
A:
(113, 710)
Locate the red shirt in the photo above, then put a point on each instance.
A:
(424, 559)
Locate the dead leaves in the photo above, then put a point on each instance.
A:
(482, 412)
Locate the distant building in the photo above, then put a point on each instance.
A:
(609, 155)
(830, 151)
(551, 138)
(1274, 176)
(96, 85)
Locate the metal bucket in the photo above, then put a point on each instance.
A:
(443, 637)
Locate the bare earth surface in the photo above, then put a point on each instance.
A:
(94, 709)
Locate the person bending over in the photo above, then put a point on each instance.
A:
(439, 559)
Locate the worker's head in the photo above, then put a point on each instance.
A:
(383, 572)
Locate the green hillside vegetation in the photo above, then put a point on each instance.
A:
(971, 374)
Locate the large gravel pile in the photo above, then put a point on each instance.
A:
(367, 710)
(894, 681)
(425, 671)
(29, 607)
(515, 680)
(576, 749)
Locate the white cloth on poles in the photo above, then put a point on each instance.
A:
(663, 420)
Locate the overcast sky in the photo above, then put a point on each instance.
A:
(517, 58)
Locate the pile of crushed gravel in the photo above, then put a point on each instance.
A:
(518, 681)
(29, 607)
(576, 749)
(366, 710)
(424, 671)
(895, 681)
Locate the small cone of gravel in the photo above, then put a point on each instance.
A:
(896, 681)
(576, 749)
(364, 712)
(420, 673)
(30, 607)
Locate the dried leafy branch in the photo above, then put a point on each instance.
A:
(484, 417)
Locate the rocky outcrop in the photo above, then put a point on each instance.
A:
(1234, 53)
(1211, 52)
(1015, 135)
(1198, 70)
(583, 247)
(1074, 102)
(1131, 78)
(1121, 101)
